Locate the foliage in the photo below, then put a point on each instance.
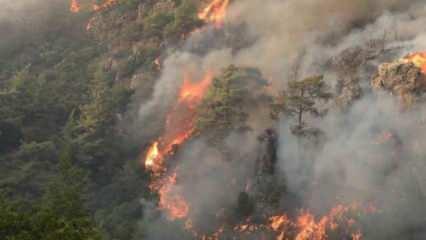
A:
(301, 98)
(61, 214)
(185, 19)
(10, 136)
(226, 104)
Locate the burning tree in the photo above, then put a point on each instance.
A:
(215, 12)
(404, 78)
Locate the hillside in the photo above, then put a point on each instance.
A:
(212, 119)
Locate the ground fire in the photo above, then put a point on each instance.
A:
(172, 202)
(340, 222)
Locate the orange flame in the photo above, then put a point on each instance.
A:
(75, 6)
(172, 202)
(153, 158)
(418, 59)
(304, 227)
(278, 221)
(180, 126)
(180, 122)
(215, 12)
(192, 93)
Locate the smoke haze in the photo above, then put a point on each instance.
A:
(351, 165)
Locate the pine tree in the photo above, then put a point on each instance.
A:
(225, 106)
(97, 115)
(301, 98)
(62, 214)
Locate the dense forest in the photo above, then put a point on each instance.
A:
(212, 119)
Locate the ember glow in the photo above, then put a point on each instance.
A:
(418, 59)
(180, 125)
(215, 12)
(75, 6)
(106, 4)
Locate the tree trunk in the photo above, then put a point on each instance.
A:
(300, 118)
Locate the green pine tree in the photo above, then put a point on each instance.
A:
(301, 98)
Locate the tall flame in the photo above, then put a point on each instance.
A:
(180, 121)
(180, 126)
(215, 12)
(308, 228)
(418, 59)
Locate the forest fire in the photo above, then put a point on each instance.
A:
(180, 125)
(180, 122)
(339, 223)
(418, 59)
(215, 12)
(305, 227)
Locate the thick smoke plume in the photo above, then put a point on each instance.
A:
(294, 39)
(27, 21)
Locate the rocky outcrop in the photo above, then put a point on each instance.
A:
(402, 79)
